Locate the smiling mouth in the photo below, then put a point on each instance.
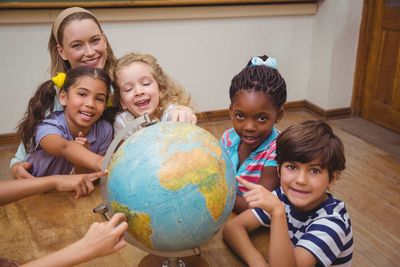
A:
(142, 103)
(299, 193)
(86, 116)
(91, 62)
(250, 139)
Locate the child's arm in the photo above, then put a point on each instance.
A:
(235, 234)
(19, 170)
(240, 204)
(81, 185)
(72, 151)
(100, 240)
(269, 179)
(19, 166)
(281, 251)
(182, 114)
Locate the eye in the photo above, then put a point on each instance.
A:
(126, 90)
(291, 167)
(239, 116)
(146, 83)
(315, 170)
(96, 40)
(101, 99)
(76, 46)
(262, 118)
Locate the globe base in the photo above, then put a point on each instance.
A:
(157, 261)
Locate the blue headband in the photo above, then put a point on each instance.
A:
(270, 62)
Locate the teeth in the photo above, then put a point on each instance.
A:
(91, 62)
(87, 114)
(142, 102)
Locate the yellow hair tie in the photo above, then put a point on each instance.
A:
(109, 102)
(59, 79)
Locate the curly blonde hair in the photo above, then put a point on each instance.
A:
(171, 92)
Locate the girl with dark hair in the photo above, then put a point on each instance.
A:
(50, 140)
(76, 39)
(257, 96)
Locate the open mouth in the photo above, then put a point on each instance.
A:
(299, 193)
(249, 139)
(92, 62)
(86, 116)
(142, 103)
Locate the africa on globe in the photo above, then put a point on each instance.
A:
(174, 182)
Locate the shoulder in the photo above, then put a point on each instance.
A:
(328, 234)
(103, 126)
(54, 123)
(124, 117)
(230, 137)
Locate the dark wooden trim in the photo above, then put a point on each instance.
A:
(328, 114)
(138, 3)
(9, 139)
(223, 114)
(214, 115)
(362, 55)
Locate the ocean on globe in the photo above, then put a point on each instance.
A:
(174, 182)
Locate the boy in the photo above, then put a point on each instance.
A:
(308, 226)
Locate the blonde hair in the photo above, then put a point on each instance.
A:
(170, 91)
(57, 33)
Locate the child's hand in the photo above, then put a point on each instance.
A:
(259, 197)
(80, 184)
(183, 114)
(104, 238)
(81, 139)
(20, 170)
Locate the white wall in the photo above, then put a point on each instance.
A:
(204, 55)
(334, 49)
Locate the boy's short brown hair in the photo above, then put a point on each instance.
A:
(308, 141)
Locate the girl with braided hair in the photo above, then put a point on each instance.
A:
(257, 96)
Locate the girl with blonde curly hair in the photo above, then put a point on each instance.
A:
(141, 86)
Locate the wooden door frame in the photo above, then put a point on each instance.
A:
(364, 45)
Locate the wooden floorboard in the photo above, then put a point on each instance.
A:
(370, 187)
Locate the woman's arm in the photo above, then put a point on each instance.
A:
(72, 151)
(100, 240)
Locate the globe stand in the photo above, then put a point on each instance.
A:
(155, 261)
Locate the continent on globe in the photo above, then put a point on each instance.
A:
(174, 182)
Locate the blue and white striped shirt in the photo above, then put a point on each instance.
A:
(324, 231)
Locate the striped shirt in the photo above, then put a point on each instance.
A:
(324, 231)
(252, 167)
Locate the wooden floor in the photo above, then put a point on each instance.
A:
(370, 186)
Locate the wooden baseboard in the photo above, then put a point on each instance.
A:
(9, 139)
(223, 114)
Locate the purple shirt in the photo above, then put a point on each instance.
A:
(43, 164)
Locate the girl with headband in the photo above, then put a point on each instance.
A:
(76, 40)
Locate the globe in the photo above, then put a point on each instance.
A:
(175, 184)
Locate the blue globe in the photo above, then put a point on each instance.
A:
(175, 183)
